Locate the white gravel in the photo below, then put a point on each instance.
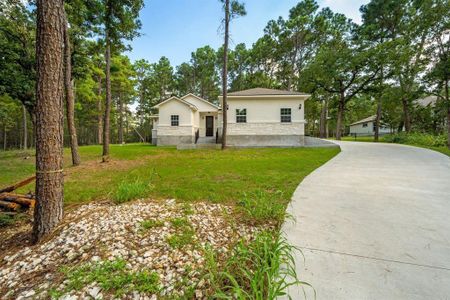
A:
(96, 232)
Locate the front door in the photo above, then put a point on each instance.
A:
(209, 125)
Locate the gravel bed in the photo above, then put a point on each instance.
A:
(98, 232)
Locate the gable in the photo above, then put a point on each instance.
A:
(175, 101)
(201, 104)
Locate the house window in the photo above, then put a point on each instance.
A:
(364, 125)
(286, 115)
(241, 115)
(174, 120)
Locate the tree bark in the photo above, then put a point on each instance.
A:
(120, 104)
(100, 115)
(70, 101)
(377, 120)
(340, 116)
(49, 117)
(225, 75)
(447, 100)
(25, 127)
(406, 115)
(107, 100)
(4, 137)
(323, 120)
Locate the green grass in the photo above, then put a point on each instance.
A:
(111, 276)
(182, 238)
(190, 175)
(151, 223)
(259, 270)
(434, 142)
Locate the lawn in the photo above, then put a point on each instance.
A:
(142, 170)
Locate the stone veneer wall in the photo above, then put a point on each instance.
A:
(174, 135)
(295, 128)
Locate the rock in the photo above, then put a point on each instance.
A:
(94, 292)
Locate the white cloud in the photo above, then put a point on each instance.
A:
(350, 8)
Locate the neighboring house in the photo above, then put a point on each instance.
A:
(429, 101)
(256, 118)
(366, 127)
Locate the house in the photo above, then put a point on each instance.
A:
(257, 117)
(366, 127)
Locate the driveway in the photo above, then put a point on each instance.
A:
(374, 223)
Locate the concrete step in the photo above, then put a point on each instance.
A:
(198, 146)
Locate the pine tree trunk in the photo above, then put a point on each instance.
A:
(25, 127)
(99, 110)
(340, 116)
(377, 120)
(323, 120)
(49, 117)
(447, 100)
(70, 101)
(4, 137)
(107, 101)
(225, 75)
(120, 104)
(406, 115)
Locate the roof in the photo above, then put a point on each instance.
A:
(266, 92)
(199, 98)
(192, 106)
(366, 120)
(427, 101)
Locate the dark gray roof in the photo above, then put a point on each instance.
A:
(264, 92)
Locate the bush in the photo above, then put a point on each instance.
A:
(127, 191)
(419, 139)
(6, 220)
(259, 270)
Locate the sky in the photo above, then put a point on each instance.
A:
(176, 28)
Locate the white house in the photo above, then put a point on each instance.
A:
(366, 127)
(256, 117)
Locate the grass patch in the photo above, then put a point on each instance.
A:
(181, 239)
(111, 276)
(127, 191)
(6, 220)
(259, 270)
(263, 206)
(180, 222)
(151, 223)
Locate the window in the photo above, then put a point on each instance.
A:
(286, 115)
(175, 120)
(241, 115)
(364, 125)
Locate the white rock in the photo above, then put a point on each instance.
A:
(94, 292)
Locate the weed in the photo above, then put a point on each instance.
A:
(187, 209)
(127, 191)
(181, 239)
(263, 206)
(180, 222)
(111, 276)
(6, 220)
(262, 269)
(151, 223)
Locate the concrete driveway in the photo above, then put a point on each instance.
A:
(374, 223)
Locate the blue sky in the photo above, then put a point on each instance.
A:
(175, 28)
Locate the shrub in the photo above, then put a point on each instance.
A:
(419, 139)
(127, 191)
(259, 270)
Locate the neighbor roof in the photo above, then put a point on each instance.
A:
(368, 119)
(266, 92)
(427, 101)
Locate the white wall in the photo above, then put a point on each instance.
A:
(201, 105)
(263, 116)
(186, 119)
(359, 129)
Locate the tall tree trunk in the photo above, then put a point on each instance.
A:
(406, 115)
(49, 116)
(120, 104)
(70, 101)
(107, 100)
(323, 120)
(25, 127)
(447, 100)
(225, 75)
(4, 137)
(377, 120)
(340, 116)
(100, 114)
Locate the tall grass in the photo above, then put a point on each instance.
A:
(127, 191)
(260, 270)
(262, 206)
